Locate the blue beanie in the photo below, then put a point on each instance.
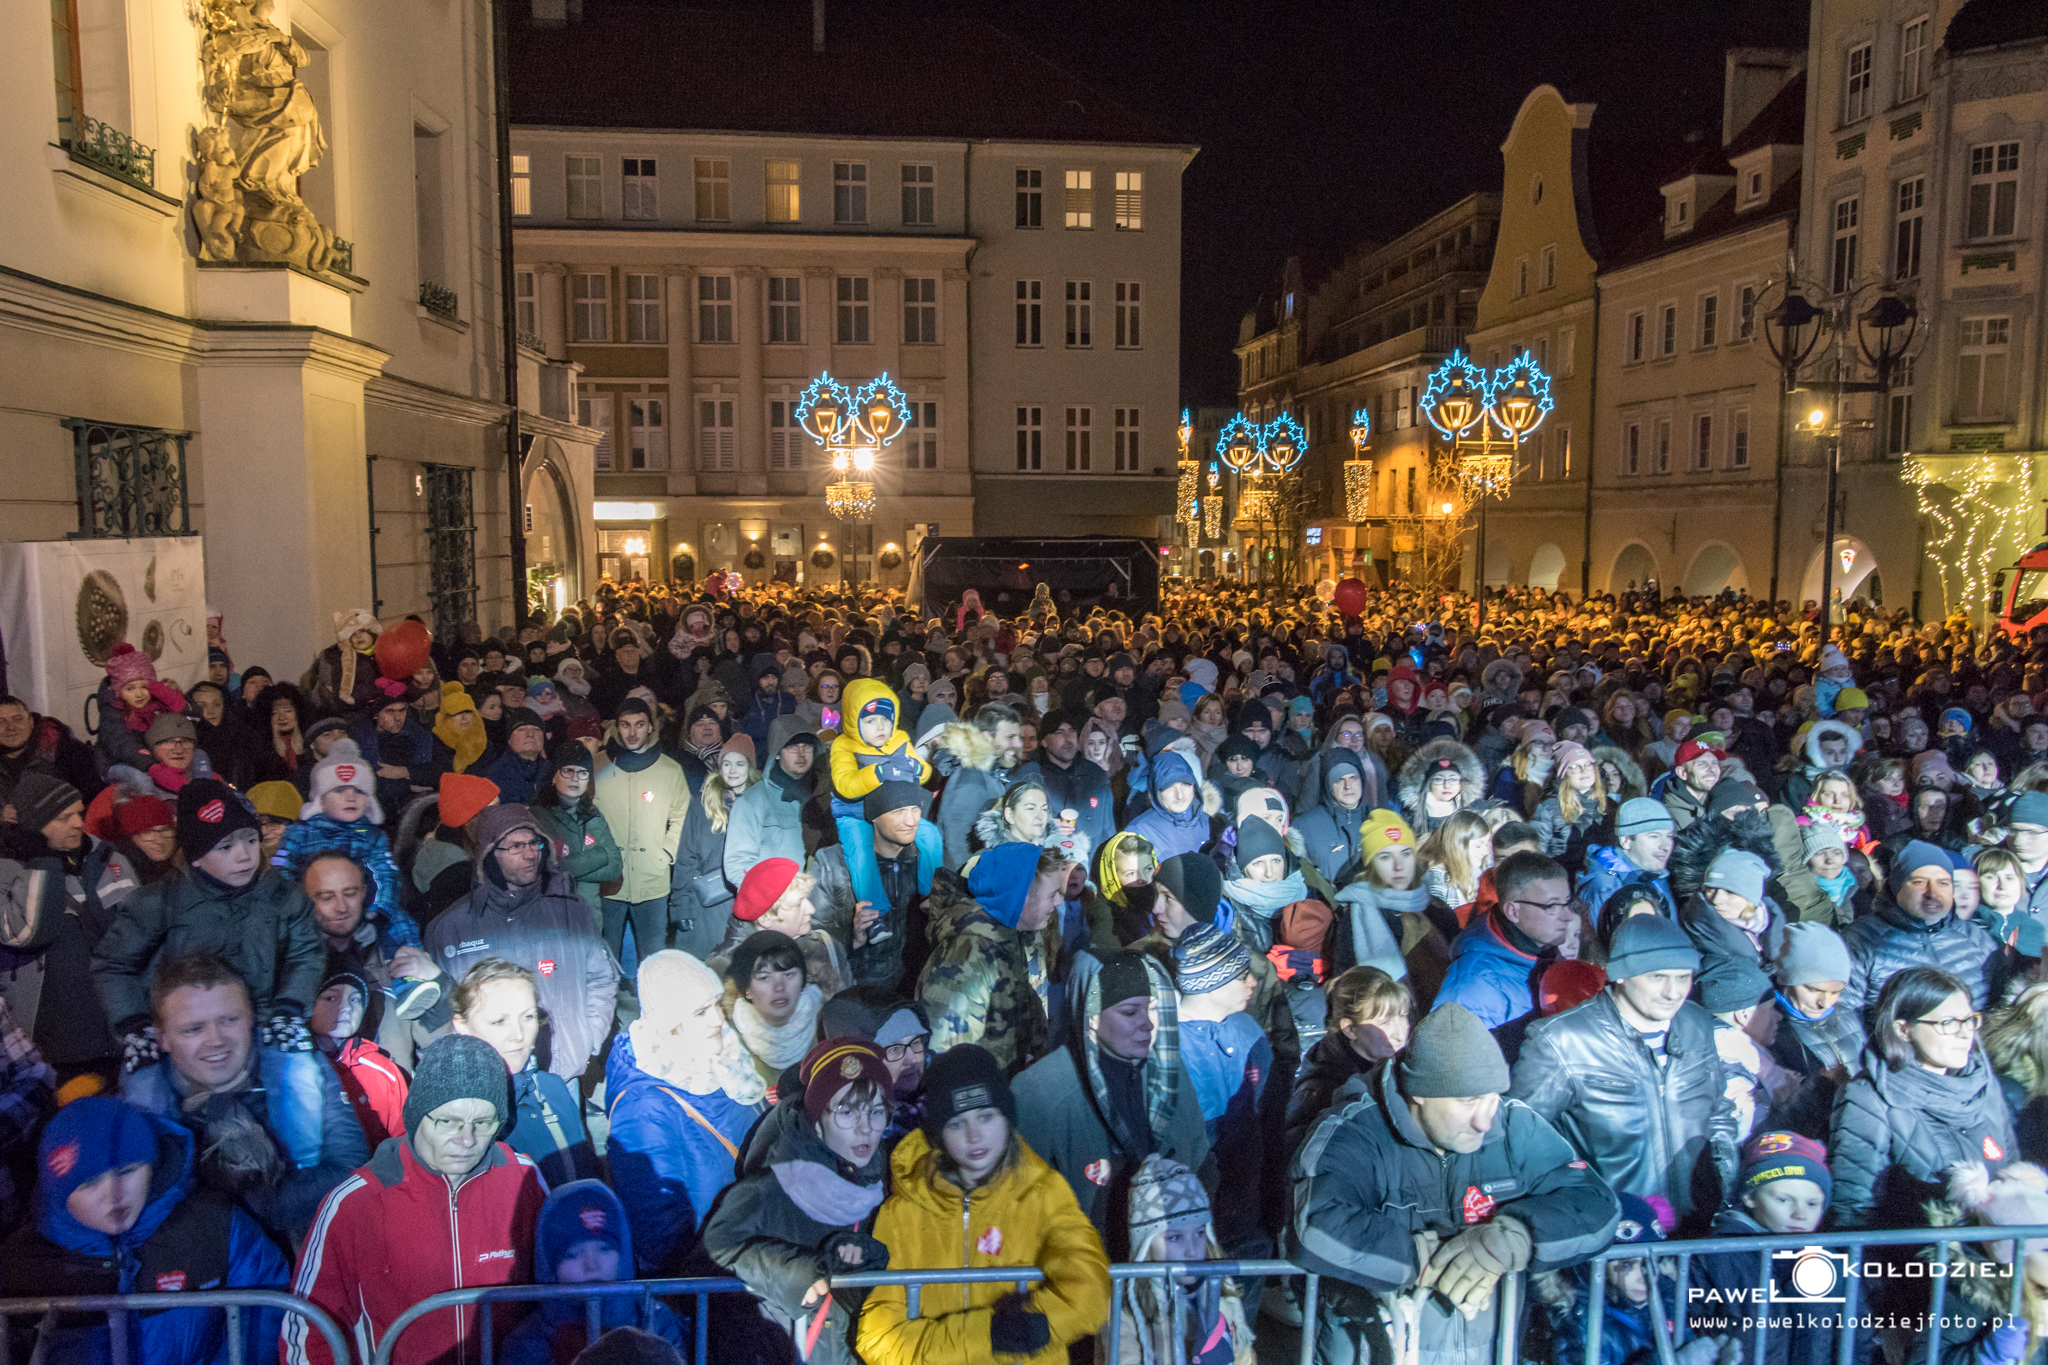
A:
(1002, 878)
(1638, 1220)
(1170, 769)
(1916, 854)
(581, 1211)
(873, 706)
(1959, 716)
(88, 1138)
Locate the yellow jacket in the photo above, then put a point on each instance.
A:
(1027, 1218)
(857, 767)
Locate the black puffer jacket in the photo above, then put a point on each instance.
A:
(1890, 940)
(1896, 1133)
(1324, 1071)
(1815, 1049)
(1697, 845)
(1647, 1130)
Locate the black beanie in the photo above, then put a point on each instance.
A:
(41, 797)
(1193, 880)
(208, 812)
(1256, 838)
(963, 1078)
(457, 1066)
(570, 753)
(1123, 977)
(520, 716)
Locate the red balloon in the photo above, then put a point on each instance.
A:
(403, 650)
(1350, 597)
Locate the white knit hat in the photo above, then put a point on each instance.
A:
(344, 766)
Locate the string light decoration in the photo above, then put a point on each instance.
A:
(853, 425)
(1212, 505)
(1976, 529)
(1486, 417)
(1358, 469)
(1257, 503)
(1187, 503)
(1245, 447)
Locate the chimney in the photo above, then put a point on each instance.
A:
(818, 27)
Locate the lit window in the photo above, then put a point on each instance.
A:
(1080, 201)
(522, 187)
(1130, 201)
(784, 201)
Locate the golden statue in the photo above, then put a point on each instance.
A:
(251, 69)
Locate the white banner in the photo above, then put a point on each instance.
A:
(65, 604)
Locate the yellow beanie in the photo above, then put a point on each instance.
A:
(1383, 829)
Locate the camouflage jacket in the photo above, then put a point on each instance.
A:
(984, 983)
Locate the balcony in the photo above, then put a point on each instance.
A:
(108, 150)
(1472, 258)
(439, 300)
(131, 481)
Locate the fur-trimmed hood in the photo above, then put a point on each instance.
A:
(1502, 680)
(973, 748)
(1631, 772)
(989, 830)
(1702, 841)
(1830, 727)
(1415, 773)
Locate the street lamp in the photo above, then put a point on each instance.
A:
(1255, 453)
(1486, 417)
(1358, 469)
(853, 426)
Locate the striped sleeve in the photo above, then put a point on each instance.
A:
(324, 1279)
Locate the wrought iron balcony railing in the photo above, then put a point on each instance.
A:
(131, 480)
(108, 149)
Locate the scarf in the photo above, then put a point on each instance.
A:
(780, 1045)
(1267, 899)
(1839, 885)
(825, 1196)
(546, 710)
(1848, 823)
(468, 745)
(1375, 912)
(687, 1068)
(790, 788)
(638, 760)
(1793, 1011)
(575, 682)
(1206, 738)
(171, 779)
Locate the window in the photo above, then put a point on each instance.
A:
(917, 196)
(717, 448)
(1130, 300)
(785, 310)
(1856, 85)
(1745, 312)
(590, 300)
(1126, 440)
(784, 200)
(1753, 187)
(643, 308)
(1567, 351)
(639, 199)
(714, 189)
(1521, 276)
(1710, 319)
(1404, 406)
(1662, 451)
(1030, 439)
(1738, 439)
(853, 309)
(1080, 440)
(785, 438)
(650, 433)
(594, 409)
(1546, 273)
(1980, 369)
(1681, 212)
(522, 187)
(714, 309)
(849, 191)
(1080, 200)
(526, 303)
(1030, 199)
(586, 186)
(921, 437)
(69, 71)
(1898, 432)
(1030, 307)
(920, 311)
(1411, 490)
(1848, 220)
(1564, 452)
(1632, 449)
(429, 205)
(1130, 201)
(1994, 189)
(1906, 231)
(1632, 339)
(1080, 314)
(1702, 442)
(1667, 330)
(1913, 58)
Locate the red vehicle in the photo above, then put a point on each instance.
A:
(2021, 593)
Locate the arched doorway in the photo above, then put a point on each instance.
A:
(1715, 567)
(554, 551)
(1634, 568)
(1546, 566)
(1854, 571)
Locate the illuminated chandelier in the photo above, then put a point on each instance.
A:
(1247, 448)
(852, 426)
(1486, 417)
(1358, 469)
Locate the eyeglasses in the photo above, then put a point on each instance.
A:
(1547, 907)
(870, 1116)
(523, 846)
(1954, 1028)
(451, 1127)
(896, 1052)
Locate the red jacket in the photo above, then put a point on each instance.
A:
(376, 1088)
(394, 1233)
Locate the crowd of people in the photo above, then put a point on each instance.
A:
(789, 933)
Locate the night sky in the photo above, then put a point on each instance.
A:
(1324, 125)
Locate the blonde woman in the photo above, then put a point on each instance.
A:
(1454, 856)
(1523, 778)
(1572, 812)
(702, 902)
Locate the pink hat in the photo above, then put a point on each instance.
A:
(1568, 753)
(128, 664)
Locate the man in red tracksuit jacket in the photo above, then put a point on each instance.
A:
(441, 1207)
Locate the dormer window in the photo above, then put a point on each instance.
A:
(1677, 212)
(1682, 212)
(1752, 187)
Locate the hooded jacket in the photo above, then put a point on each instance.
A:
(859, 767)
(1897, 1133)
(1081, 787)
(1188, 832)
(969, 791)
(645, 798)
(1415, 780)
(1330, 834)
(985, 982)
(395, 1232)
(768, 821)
(558, 1329)
(1889, 940)
(185, 1239)
(48, 932)
(1326, 1069)
(1025, 1216)
(545, 928)
(1491, 973)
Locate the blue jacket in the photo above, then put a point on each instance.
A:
(1609, 869)
(185, 1239)
(761, 713)
(517, 778)
(667, 1167)
(559, 1328)
(1489, 975)
(371, 850)
(547, 1126)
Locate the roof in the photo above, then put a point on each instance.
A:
(1717, 219)
(1781, 123)
(900, 70)
(1991, 23)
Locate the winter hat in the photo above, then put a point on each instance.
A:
(1914, 855)
(1927, 764)
(279, 799)
(1729, 793)
(762, 887)
(138, 813)
(569, 753)
(343, 767)
(1565, 983)
(959, 1080)
(41, 797)
(1851, 699)
(633, 706)
(1172, 770)
(832, 1065)
(1784, 1156)
(581, 1211)
(1959, 716)
(1812, 953)
(1336, 762)
(520, 718)
(464, 796)
(1257, 839)
(2029, 808)
(1729, 984)
(1650, 943)
(1567, 753)
(1639, 1220)
(895, 796)
(1383, 829)
(1001, 879)
(169, 725)
(457, 1066)
(128, 664)
(1193, 880)
(1124, 976)
(1208, 958)
(1451, 1055)
(1237, 746)
(208, 812)
(1642, 815)
(1305, 925)
(1818, 836)
(89, 1137)
(878, 706)
(741, 743)
(1164, 1194)
(1739, 871)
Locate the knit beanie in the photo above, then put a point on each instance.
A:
(895, 796)
(41, 797)
(740, 968)
(128, 664)
(1729, 984)
(1914, 855)
(1818, 836)
(1784, 1156)
(208, 812)
(1209, 959)
(1639, 1220)
(2029, 808)
(884, 707)
(169, 725)
(1451, 1055)
(343, 767)
(959, 1080)
(762, 887)
(1730, 792)
(1193, 880)
(454, 1067)
(464, 796)
(1258, 839)
(139, 813)
(1740, 871)
(672, 986)
(1237, 746)
(832, 1065)
(1124, 976)
(522, 717)
(1382, 829)
(569, 753)
(1642, 815)
(1001, 879)
(743, 745)
(1568, 752)
(633, 706)
(89, 1137)
(1812, 953)
(1260, 801)
(578, 1212)
(279, 799)
(1164, 1193)
(1650, 943)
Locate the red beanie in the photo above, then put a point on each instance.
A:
(139, 813)
(829, 1067)
(464, 796)
(762, 887)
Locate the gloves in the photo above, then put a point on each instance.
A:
(1467, 1266)
(873, 1255)
(1501, 1245)
(140, 1049)
(288, 1034)
(1015, 1330)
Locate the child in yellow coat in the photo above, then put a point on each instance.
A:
(871, 749)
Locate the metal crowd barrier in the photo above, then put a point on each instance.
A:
(914, 1281)
(118, 1307)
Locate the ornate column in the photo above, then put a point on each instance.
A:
(887, 324)
(818, 318)
(551, 286)
(957, 419)
(679, 322)
(751, 415)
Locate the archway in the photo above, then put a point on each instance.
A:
(1546, 566)
(553, 542)
(1854, 563)
(1715, 567)
(1634, 567)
